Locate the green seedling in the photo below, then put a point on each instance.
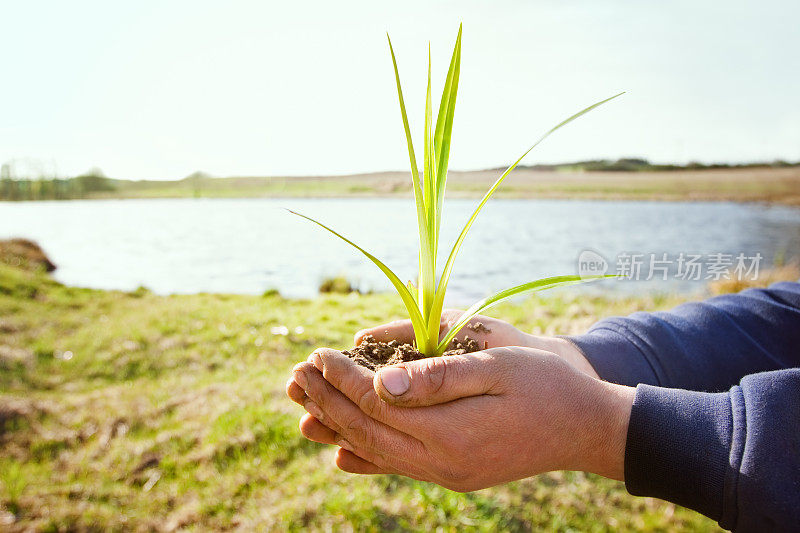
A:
(425, 301)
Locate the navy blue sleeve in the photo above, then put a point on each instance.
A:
(715, 424)
(734, 456)
(702, 346)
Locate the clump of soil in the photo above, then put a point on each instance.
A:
(374, 354)
(24, 254)
(479, 327)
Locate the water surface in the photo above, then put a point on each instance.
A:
(250, 245)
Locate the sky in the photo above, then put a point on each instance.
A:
(160, 89)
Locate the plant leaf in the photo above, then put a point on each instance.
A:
(411, 155)
(489, 301)
(427, 280)
(448, 267)
(444, 123)
(419, 199)
(411, 306)
(412, 289)
(441, 150)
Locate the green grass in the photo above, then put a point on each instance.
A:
(170, 413)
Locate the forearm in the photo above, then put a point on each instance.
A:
(731, 455)
(706, 346)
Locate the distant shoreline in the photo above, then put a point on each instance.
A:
(757, 184)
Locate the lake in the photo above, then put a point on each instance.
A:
(250, 245)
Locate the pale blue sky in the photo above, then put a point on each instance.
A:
(154, 89)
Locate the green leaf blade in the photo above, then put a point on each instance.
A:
(444, 121)
(489, 301)
(427, 282)
(419, 196)
(417, 320)
(411, 155)
(441, 150)
(448, 268)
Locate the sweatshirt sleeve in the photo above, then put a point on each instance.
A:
(734, 456)
(702, 346)
(715, 423)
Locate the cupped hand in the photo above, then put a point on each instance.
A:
(465, 422)
(488, 332)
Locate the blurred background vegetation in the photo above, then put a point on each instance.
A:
(626, 178)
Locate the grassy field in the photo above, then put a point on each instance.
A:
(132, 411)
(755, 184)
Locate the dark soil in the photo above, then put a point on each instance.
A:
(374, 355)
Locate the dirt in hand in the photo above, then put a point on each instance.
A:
(374, 355)
(479, 327)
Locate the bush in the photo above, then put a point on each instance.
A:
(338, 284)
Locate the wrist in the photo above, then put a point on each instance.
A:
(562, 348)
(606, 430)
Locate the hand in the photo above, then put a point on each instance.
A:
(465, 422)
(494, 334)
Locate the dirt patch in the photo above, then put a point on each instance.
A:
(478, 327)
(374, 355)
(18, 412)
(24, 254)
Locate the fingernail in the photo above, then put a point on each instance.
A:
(395, 380)
(313, 409)
(344, 444)
(300, 379)
(316, 360)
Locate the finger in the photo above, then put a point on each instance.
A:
(437, 380)
(299, 373)
(450, 318)
(299, 376)
(400, 330)
(356, 428)
(390, 465)
(356, 383)
(403, 331)
(313, 429)
(350, 462)
(314, 410)
(295, 392)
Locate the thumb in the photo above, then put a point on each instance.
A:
(436, 380)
